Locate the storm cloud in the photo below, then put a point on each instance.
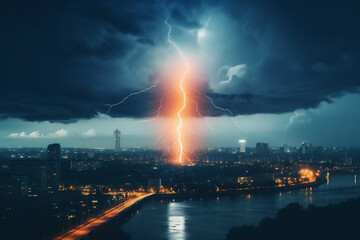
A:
(64, 61)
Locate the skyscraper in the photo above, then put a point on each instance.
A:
(262, 147)
(53, 155)
(303, 146)
(242, 145)
(286, 149)
(54, 152)
(117, 134)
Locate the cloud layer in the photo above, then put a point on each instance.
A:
(62, 133)
(64, 61)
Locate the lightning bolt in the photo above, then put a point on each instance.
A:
(182, 155)
(158, 112)
(207, 23)
(130, 95)
(201, 116)
(211, 101)
(182, 90)
(224, 110)
(161, 100)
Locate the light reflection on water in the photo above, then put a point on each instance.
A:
(212, 218)
(176, 223)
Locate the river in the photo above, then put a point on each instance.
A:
(212, 218)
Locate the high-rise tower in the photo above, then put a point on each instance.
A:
(303, 147)
(53, 155)
(242, 145)
(117, 134)
(286, 149)
(262, 147)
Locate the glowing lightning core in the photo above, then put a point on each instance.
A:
(182, 90)
(184, 102)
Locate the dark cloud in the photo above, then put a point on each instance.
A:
(181, 19)
(61, 61)
(108, 49)
(123, 16)
(56, 58)
(252, 104)
(298, 54)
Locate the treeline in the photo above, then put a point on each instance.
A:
(335, 221)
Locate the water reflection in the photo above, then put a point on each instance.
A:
(327, 178)
(176, 221)
(211, 219)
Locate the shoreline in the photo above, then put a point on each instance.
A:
(274, 189)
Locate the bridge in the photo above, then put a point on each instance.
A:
(83, 229)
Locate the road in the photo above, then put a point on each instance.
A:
(85, 228)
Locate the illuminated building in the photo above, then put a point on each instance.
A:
(262, 147)
(303, 147)
(53, 155)
(242, 145)
(117, 134)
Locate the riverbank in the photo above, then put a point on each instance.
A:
(266, 189)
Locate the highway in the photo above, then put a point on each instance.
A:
(88, 226)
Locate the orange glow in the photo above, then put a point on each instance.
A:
(179, 106)
(183, 93)
(179, 128)
(181, 109)
(307, 174)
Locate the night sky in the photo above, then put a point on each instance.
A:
(288, 70)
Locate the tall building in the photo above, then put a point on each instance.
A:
(286, 149)
(53, 155)
(303, 147)
(262, 147)
(14, 186)
(54, 152)
(117, 134)
(242, 145)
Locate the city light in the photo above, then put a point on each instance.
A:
(307, 175)
(80, 231)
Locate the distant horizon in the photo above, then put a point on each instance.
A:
(154, 148)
